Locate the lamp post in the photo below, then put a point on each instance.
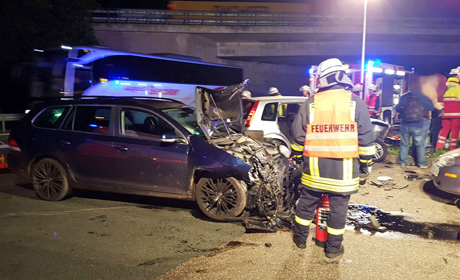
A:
(364, 42)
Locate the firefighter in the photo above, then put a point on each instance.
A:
(333, 135)
(305, 91)
(373, 101)
(273, 91)
(451, 116)
(246, 95)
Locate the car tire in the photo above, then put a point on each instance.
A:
(49, 180)
(221, 198)
(380, 151)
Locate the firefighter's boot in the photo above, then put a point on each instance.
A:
(336, 253)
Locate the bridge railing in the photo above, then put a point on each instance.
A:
(133, 16)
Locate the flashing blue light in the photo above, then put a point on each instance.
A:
(55, 233)
(369, 65)
(90, 81)
(413, 69)
(310, 71)
(377, 62)
(93, 125)
(117, 82)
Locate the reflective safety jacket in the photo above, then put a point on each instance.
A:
(373, 103)
(452, 99)
(336, 131)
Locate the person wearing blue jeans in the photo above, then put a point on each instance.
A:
(417, 130)
(418, 141)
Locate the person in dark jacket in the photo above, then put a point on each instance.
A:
(334, 137)
(418, 130)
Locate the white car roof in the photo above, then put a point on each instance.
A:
(292, 99)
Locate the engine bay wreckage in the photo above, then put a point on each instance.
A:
(272, 180)
(268, 185)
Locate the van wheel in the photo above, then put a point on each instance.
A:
(380, 151)
(221, 198)
(49, 179)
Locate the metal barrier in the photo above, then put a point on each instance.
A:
(260, 19)
(8, 118)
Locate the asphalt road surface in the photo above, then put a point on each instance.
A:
(99, 235)
(108, 236)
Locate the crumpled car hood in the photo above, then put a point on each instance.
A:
(217, 109)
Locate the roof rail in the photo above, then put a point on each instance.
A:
(79, 97)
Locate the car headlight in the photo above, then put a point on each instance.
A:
(447, 159)
(285, 151)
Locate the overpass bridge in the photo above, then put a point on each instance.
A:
(275, 49)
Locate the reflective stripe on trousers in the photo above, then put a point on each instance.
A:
(305, 210)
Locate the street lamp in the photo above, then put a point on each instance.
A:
(364, 42)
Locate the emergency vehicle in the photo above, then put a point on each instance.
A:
(391, 80)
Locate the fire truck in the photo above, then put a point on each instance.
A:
(391, 80)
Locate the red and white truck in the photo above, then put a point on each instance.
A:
(391, 80)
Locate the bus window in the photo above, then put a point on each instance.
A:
(82, 80)
(162, 70)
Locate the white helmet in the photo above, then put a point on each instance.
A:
(332, 72)
(304, 88)
(273, 91)
(372, 87)
(246, 94)
(455, 71)
(330, 65)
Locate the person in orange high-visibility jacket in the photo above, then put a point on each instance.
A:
(334, 137)
(373, 101)
(451, 117)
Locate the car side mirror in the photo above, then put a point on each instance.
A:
(171, 138)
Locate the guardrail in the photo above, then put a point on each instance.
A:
(260, 19)
(8, 118)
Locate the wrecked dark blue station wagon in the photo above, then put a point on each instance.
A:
(154, 147)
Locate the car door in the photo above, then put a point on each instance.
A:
(285, 121)
(87, 144)
(144, 158)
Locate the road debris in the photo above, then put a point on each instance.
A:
(400, 188)
(412, 177)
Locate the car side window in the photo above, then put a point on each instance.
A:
(93, 119)
(270, 112)
(144, 125)
(50, 117)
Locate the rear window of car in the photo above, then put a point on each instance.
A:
(270, 112)
(50, 117)
(94, 119)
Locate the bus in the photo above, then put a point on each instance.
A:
(98, 71)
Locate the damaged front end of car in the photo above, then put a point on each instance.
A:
(268, 181)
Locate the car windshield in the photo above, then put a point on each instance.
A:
(187, 118)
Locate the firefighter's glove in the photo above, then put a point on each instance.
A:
(365, 167)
